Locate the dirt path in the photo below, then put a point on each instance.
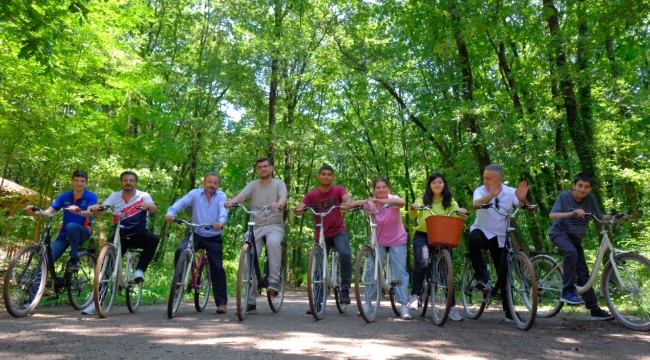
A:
(62, 333)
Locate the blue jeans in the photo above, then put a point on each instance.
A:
(342, 244)
(214, 247)
(73, 236)
(574, 265)
(398, 268)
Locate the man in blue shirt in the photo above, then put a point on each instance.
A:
(207, 208)
(77, 221)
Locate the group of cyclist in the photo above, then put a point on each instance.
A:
(210, 206)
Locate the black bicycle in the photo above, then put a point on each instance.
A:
(26, 277)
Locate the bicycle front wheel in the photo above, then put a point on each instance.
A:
(316, 286)
(473, 299)
(244, 281)
(203, 286)
(629, 298)
(179, 283)
(80, 290)
(521, 289)
(276, 300)
(367, 282)
(24, 281)
(336, 278)
(549, 285)
(133, 291)
(105, 280)
(442, 288)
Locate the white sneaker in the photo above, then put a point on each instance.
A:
(405, 313)
(454, 315)
(413, 302)
(138, 277)
(90, 310)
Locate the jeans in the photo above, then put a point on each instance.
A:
(398, 268)
(477, 242)
(574, 264)
(73, 236)
(214, 247)
(342, 244)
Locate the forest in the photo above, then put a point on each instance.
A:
(391, 88)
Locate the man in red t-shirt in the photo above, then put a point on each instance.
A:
(321, 199)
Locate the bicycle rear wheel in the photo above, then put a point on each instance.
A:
(244, 281)
(389, 283)
(521, 289)
(203, 286)
(629, 301)
(549, 285)
(179, 283)
(105, 280)
(367, 284)
(336, 279)
(473, 299)
(24, 281)
(133, 291)
(442, 288)
(276, 300)
(316, 286)
(80, 290)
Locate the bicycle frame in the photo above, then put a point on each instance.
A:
(250, 240)
(323, 246)
(194, 265)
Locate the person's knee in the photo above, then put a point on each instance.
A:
(475, 238)
(72, 227)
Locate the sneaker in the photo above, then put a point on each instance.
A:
(413, 302)
(309, 312)
(571, 299)
(90, 310)
(251, 309)
(454, 315)
(138, 277)
(272, 288)
(345, 297)
(73, 265)
(404, 313)
(483, 286)
(508, 319)
(598, 314)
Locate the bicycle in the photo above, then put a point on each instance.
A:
(249, 270)
(521, 285)
(182, 282)
(109, 279)
(443, 233)
(318, 281)
(26, 277)
(625, 282)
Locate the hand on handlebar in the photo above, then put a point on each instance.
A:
(579, 213)
(170, 218)
(276, 206)
(74, 208)
(462, 211)
(230, 204)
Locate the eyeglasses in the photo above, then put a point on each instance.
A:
(263, 167)
(496, 202)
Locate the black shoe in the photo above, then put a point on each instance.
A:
(598, 314)
(73, 265)
(308, 312)
(345, 297)
(251, 309)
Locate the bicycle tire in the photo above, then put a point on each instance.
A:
(179, 284)
(442, 287)
(549, 285)
(316, 286)
(336, 279)
(203, 286)
(276, 300)
(81, 282)
(133, 292)
(473, 299)
(23, 279)
(423, 301)
(105, 286)
(629, 302)
(244, 281)
(521, 289)
(366, 284)
(388, 279)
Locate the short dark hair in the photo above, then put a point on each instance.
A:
(326, 167)
(129, 173)
(263, 159)
(584, 177)
(212, 173)
(81, 174)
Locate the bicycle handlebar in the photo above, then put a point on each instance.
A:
(189, 224)
(610, 221)
(253, 212)
(42, 213)
(377, 211)
(527, 207)
(321, 214)
(424, 207)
